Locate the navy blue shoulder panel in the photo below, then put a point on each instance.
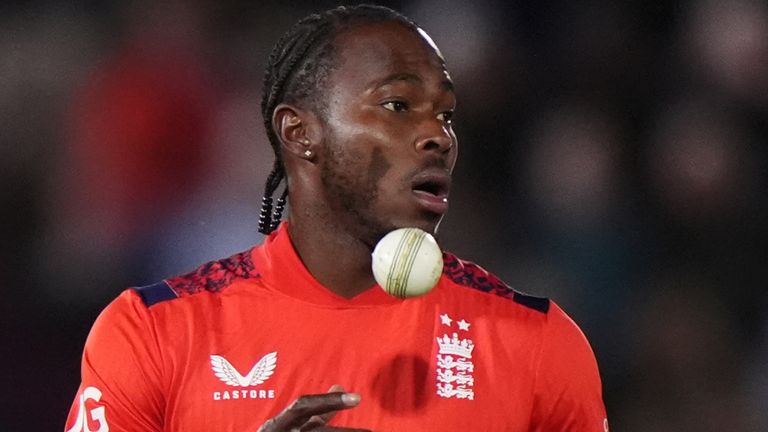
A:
(156, 293)
(473, 276)
(540, 304)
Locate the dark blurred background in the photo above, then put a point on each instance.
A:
(612, 157)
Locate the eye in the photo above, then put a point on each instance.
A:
(396, 106)
(445, 116)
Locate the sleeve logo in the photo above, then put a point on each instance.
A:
(96, 415)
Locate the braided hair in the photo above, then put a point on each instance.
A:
(298, 68)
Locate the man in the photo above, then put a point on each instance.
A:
(357, 106)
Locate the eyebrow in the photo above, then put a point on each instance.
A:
(445, 84)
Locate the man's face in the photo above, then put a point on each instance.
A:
(388, 147)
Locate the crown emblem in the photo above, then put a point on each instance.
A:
(456, 346)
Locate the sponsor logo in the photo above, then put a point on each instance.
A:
(243, 394)
(96, 415)
(259, 373)
(454, 362)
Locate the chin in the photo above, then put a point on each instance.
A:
(429, 223)
(430, 227)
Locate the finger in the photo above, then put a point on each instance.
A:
(322, 419)
(300, 411)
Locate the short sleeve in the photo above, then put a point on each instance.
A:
(568, 391)
(121, 372)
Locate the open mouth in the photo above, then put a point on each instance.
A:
(431, 189)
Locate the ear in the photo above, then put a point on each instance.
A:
(299, 130)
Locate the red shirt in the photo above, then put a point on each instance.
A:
(232, 344)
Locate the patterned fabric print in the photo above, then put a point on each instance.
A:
(472, 275)
(215, 275)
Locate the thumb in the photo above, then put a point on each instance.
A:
(323, 419)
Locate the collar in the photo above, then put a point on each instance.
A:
(281, 269)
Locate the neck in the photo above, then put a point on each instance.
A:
(338, 260)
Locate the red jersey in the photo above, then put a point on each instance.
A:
(232, 344)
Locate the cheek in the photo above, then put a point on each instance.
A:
(360, 125)
(378, 167)
(454, 151)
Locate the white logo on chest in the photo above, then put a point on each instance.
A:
(259, 373)
(454, 362)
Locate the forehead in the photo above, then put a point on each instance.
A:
(369, 52)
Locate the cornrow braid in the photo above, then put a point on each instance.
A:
(298, 68)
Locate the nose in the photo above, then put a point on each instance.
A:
(437, 138)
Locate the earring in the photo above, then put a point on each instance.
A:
(265, 217)
(277, 214)
(308, 153)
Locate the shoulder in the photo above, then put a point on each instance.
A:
(558, 328)
(470, 275)
(568, 386)
(139, 313)
(211, 277)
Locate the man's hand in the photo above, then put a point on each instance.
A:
(312, 412)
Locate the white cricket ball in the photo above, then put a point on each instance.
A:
(407, 262)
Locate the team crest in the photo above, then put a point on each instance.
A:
(454, 362)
